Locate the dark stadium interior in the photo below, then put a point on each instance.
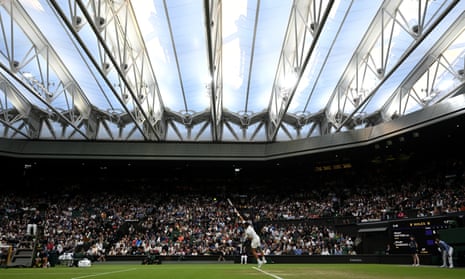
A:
(429, 156)
(434, 143)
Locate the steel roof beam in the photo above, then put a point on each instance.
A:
(408, 88)
(213, 28)
(305, 24)
(367, 62)
(129, 57)
(19, 112)
(74, 24)
(350, 92)
(52, 61)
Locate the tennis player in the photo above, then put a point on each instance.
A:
(252, 235)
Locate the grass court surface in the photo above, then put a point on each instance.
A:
(229, 271)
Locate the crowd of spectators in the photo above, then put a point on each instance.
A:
(140, 221)
(165, 224)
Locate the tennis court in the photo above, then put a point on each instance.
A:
(230, 271)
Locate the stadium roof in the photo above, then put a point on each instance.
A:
(251, 79)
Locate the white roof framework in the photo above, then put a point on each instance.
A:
(239, 71)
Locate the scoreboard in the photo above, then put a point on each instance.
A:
(424, 231)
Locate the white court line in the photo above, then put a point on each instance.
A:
(267, 273)
(104, 273)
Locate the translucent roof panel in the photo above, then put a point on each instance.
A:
(252, 39)
(174, 34)
(232, 71)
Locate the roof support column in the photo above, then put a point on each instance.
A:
(214, 44)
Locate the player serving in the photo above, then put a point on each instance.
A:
(252, 235)
(254, 243)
